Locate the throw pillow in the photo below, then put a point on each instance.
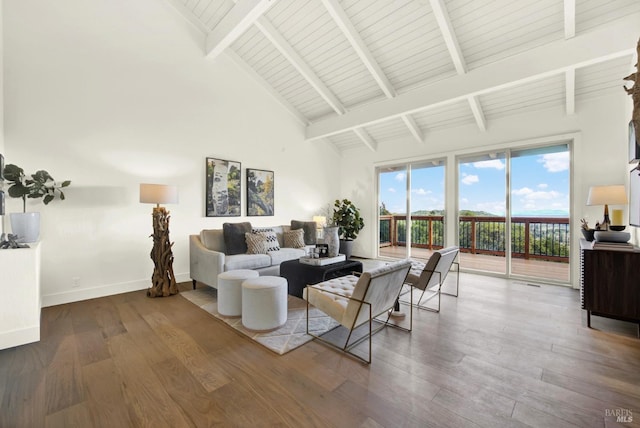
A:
(234, 238)
(256, 243)
(309, 228)
(272, 238)
(294, 238)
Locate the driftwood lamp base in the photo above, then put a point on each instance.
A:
(163, 279)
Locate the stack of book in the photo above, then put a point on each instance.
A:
(322, 261)
(616, 246)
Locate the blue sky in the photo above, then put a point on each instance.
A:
(540, 186)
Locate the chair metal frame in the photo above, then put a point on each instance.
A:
(346, 348)
(434, 290)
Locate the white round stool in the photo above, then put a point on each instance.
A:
(230, 291)
(264, 302)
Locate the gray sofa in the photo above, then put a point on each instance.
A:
(209, 256)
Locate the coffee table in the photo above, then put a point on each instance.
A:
(299, 275)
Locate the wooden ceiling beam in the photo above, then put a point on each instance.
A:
(569, 18)
(603, 44)
(478, 114)
(300, 64)
(366, 139)
(446, 29)
(242, 16)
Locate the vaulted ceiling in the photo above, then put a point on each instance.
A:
(370, 72)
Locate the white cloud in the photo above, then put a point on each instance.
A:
(555, 162)
(494, 163)
(469, 179)
(522, 192)
(391, 190)
(401, 176)
(421, 191)
(543, 186)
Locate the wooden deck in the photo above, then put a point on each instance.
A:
(532, 268)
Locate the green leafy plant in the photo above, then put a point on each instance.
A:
(40, 185)
(347, 217)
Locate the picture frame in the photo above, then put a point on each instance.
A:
(1, 202)
(634, 144)
(634, 197)
(260, 192)
(1, 167)
(223, 188)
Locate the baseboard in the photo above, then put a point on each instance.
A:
(102, 291)
(10, 339)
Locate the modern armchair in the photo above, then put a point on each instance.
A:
(430, 276)
(358, 301)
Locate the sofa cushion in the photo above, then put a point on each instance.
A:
(285, 254)
(309, 228)
(256, 243)
(213, 239)
(271, 237)
(234, 238)
(294, 238)
(246, 261)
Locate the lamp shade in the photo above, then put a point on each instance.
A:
(158, 194)
(607, 195)
(321, 221)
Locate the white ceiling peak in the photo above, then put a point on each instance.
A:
(234, 24)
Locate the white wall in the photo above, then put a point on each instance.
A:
(110, 94)
(599, 131)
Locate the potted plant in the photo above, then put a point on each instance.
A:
(347, 217)
(40, 185)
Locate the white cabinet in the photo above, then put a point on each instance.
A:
(19, 296)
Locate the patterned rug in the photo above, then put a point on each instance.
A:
(281, 340)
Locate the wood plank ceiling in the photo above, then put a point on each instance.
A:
(371, 72)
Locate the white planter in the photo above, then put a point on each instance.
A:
(26, 226)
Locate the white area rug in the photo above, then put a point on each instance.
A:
(281, 340)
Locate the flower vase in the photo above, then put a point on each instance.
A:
(332, 240)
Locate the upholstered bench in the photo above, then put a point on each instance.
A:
(264, 302)
(230, 291)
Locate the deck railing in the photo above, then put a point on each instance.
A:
(545, 238)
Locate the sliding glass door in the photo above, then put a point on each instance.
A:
(519, 197)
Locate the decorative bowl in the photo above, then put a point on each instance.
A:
(617, 228)
(611, 236)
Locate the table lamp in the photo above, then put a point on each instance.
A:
(607, 195)
(321, 221)
(163, 280)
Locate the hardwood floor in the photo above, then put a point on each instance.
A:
(503, 354)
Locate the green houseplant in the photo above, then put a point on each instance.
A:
(39, 185)
(347, 217)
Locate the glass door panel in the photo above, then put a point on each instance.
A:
(392, 212)
(540, 237)
(481, 212)
(427, 208)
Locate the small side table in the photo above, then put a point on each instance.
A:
(299, 275)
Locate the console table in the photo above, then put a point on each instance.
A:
(299, 275)
(610, 283)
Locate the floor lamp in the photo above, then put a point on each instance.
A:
(163, 280)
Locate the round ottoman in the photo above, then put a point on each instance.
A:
(230, 291)
(264, 302)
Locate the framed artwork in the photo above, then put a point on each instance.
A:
(634, 197)
(223, 188)
(634, 144)
(1, 202)
(260, 191)
(1, 167)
